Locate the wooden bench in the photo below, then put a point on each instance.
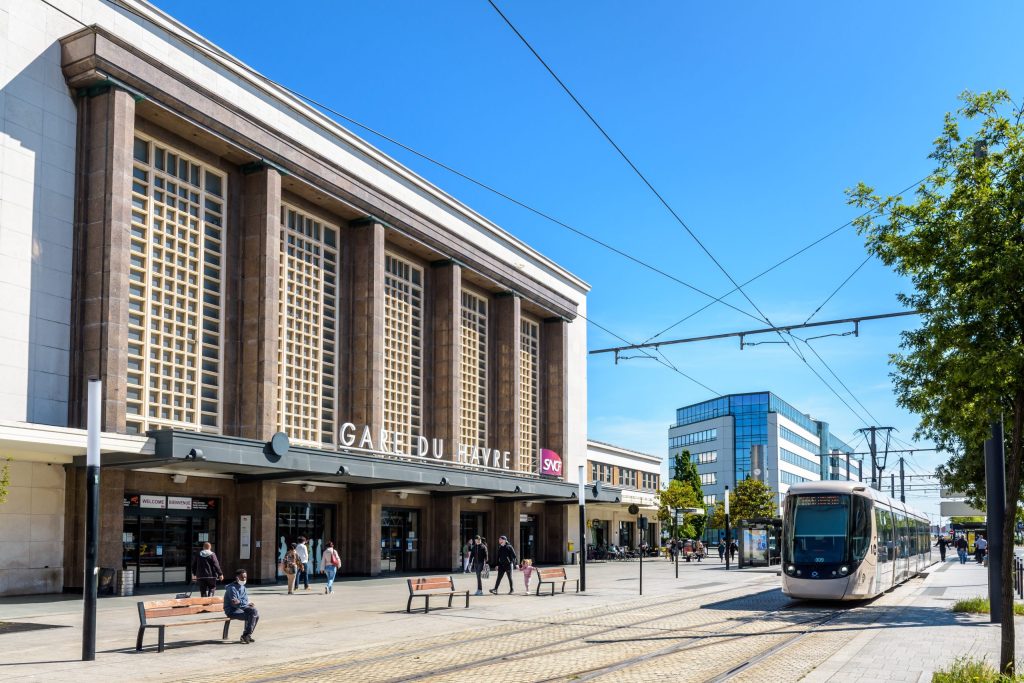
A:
(553, 576)
(428, 586)
(165, 609)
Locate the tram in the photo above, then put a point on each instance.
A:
(842, 540)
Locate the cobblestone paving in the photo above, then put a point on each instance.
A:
(749, 633)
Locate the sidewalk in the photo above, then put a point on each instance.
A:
(361, 613)
(919, 634)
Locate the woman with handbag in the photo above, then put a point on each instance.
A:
(290, 567)
(329, 564)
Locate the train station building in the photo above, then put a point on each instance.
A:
(296, 334)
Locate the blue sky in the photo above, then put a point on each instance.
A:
(750, 120)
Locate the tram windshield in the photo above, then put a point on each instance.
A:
(826, 528)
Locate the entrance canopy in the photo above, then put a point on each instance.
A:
(251, 460)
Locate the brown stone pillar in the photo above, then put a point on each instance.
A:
(111, 550)
(447, 352)
(554, 403)
(106, 133)
(507, 342)
(259, 500)
(74, 526)
(445, 542)
(367, 356)
(506, 523)
(260, 270)
(554, 532)
(362, 534)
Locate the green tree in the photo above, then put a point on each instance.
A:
(676, 495)
(752, 498)
(961, 245)
(5, 480)
(685, 470)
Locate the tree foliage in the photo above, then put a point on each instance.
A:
(752, 498)
(685, 470)
(960, 242)
(676, 495)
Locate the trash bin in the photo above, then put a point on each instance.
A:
(125, 582)
(106, 581)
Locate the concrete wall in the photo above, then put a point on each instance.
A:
(32, 530)
(37, 163)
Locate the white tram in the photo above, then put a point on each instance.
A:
(842, 540)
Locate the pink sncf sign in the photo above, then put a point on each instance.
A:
(550, 463)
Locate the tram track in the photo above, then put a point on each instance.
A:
(671, 607)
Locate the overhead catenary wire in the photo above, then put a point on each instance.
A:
(836, 290)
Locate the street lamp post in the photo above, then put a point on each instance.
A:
(583, 531)
(728, 544)
(92, 519)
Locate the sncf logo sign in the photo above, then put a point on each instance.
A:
(550, 463)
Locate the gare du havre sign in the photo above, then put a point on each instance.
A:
(362, 438)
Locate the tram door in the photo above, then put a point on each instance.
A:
(885, 551)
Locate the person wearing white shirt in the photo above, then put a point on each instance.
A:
(303, 552)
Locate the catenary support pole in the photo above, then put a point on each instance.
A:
(728, 541)
(92, 519)
(892, 484)
(995, 505)
(583, 530)
(903, 490)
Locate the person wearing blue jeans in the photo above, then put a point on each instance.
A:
(961, 549)
(329, 564)
(238, 606)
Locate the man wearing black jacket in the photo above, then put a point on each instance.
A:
(478, 560)
(206, 571)
(506, 557)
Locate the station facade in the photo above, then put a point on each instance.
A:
(296, 335)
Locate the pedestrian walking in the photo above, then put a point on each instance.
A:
(961, 549)
(700, 551)
(941, 545)
(721, 550)
(467, 560)
(329, 564)
(733, 549)
(290, 567)
(206, 571)
(302, 550)
(528, 569)
(506, 558)
(238, 606)
(478, 555)
(980, 549)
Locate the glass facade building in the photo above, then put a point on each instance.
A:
(757, 435)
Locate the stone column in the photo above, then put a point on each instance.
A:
(367, 356)
(362, 534)
(447, 353)
(506, 523)
(445, 544)
(258, 499)
(508, 343)
(554, 524)
(554, 404)
(260, 269)
(106, 133)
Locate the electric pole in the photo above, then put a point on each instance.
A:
(877, 464)
(903, 492)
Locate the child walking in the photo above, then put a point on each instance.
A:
(527, 567)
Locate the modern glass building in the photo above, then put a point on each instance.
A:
(757, 435)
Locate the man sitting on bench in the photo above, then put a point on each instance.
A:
(238, 606)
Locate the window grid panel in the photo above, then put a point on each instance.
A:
(307, 307)
(174, 291)
(403, 348)
(473, 362)
(529, 395)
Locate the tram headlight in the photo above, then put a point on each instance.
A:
(790, 569)
(844, 570)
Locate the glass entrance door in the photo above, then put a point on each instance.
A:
(314, 521)
(399, 540)
(159, 547)
(528, 537)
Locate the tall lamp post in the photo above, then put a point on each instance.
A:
(583, 531)
(92, 519)
(728, 543)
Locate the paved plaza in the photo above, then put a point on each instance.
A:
(707, 625)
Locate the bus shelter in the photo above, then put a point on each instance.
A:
(760, 540)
